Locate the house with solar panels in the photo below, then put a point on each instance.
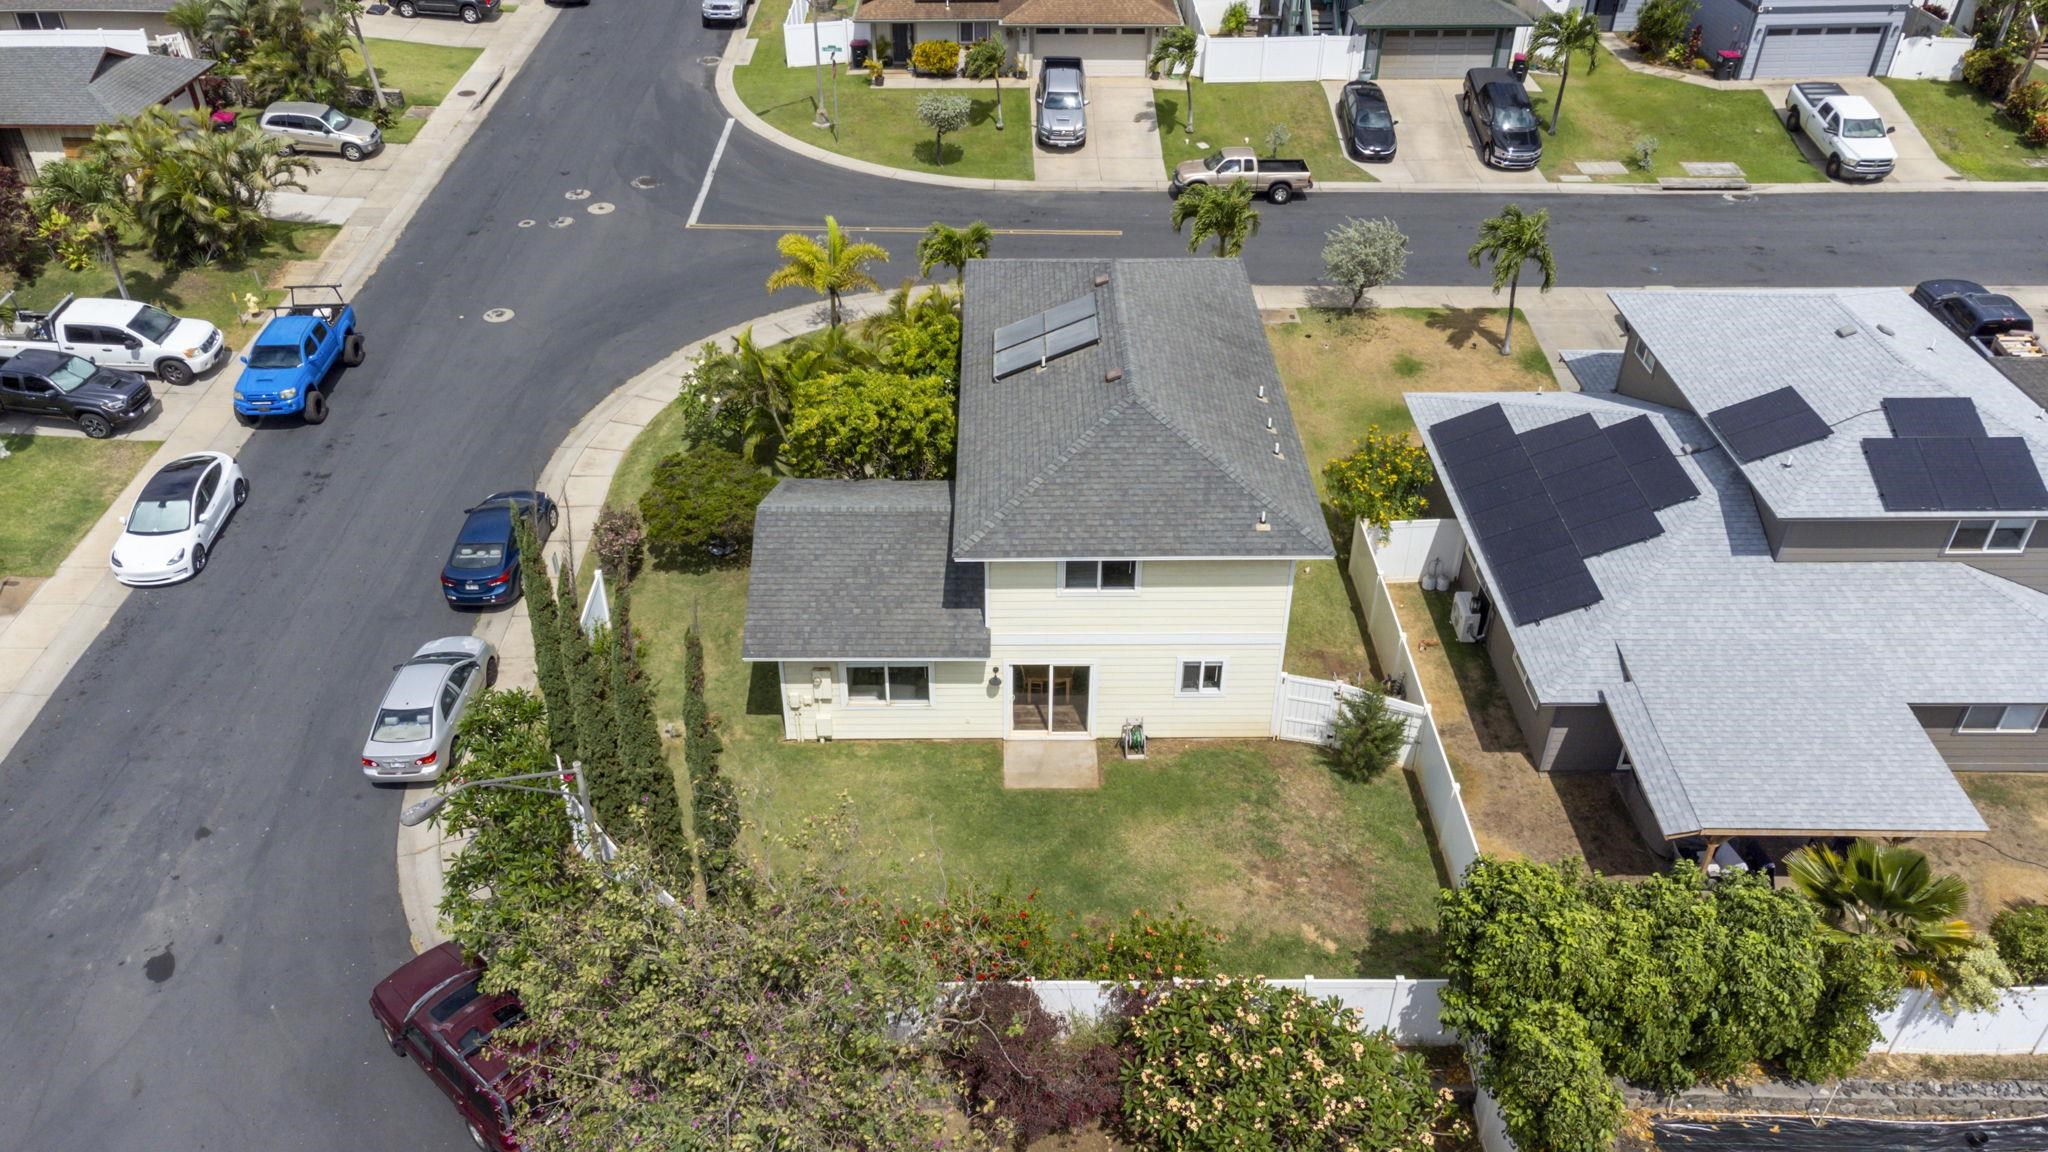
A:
(1778, 568)
(1118, 543)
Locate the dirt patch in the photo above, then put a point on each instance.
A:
(1953, 1068)
(2010, 866)
(15, 592)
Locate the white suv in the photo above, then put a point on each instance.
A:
(729, 11)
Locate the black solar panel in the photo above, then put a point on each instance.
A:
(1080, 334)
(1902, 481)
(1016, 358)
(1932, 416)
(1766, 425)
(1955, 474)
(1959, 481)
(1077, 309)
(1594, 493)
(2009, 466)
(1656, 472)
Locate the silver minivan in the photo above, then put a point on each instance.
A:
(321, 128)
(1062, 103)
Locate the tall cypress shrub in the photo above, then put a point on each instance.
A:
(641, 762)
(547, 649)
(714, 805)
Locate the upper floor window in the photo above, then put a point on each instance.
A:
(1991, 536)
(1099, 575)
(1644, 356)
(39, 21)
(2007, 718)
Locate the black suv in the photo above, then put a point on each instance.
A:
(471, 11)
(59, 386)
(1498, 107)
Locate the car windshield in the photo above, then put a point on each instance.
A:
(477, 556)
(403, 725)
(334, 118)
(160, 517)
(1212, 161)
(274, 356)
(1862, 129)
(1062, 100)
(1511, 119)
(72, 373)
(153, 323)
(454, 1002)
(1374, 118)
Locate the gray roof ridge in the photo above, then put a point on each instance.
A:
(995, 518)
(1247, 486)
(1659, 755)
(2027, 600)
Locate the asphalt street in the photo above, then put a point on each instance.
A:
(197, 884)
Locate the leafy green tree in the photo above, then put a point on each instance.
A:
(190, 17)
(943, 112)
(829, 265)
(872, 424)
(1174, 51)
(1367, 736)
(699, 507)
(21, 252)
(1547, 1078)
(1769, 962)
(87, 192)
(196, 194)
(515, 866)
(586, 672)
(1562, 34)
(953, 247)
(1381, 480)
(1661, 25)
(1859, 978)
(2022, 937)
(290, 53)
(919, 335)
(1662, 937)
(1975, 979)
(1890, 893)
(1223, 213)
(988, 60)
(1511, 240)
(1361, 255)
(1236, 19)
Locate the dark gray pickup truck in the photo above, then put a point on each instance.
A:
(59, 386)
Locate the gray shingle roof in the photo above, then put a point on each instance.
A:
(1172, 460)
(66, 87)
(1439, 14)
(858, 568)
(1762, 696)
(1725, 347)
(87, 5)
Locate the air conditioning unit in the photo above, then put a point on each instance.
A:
(1468, 616)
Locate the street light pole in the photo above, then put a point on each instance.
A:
(417, 814)
(834, 51)
(818, 67)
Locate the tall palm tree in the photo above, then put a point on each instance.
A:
(1224, 213)
(1561, 34)
(1512, 239)
(953, 247)
(352, 11)
(90, 192)
(1880, 890)
(190, 17)
(1175, 50)
(829, 265)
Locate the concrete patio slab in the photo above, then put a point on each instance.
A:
(1601, 167)
(1066, 764)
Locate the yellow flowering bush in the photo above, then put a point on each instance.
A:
(1382, 479)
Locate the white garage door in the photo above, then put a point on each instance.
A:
(1427, 53)
(1103, 51)
(1831, 50)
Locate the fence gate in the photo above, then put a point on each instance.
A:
(1304, 709)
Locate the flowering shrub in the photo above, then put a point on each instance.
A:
(1382, 480)
(1022, 1075)
(1990, 70)
(1242, 1064)
(618, 539)
(935, 57)
(2037, 132)
(995, 935)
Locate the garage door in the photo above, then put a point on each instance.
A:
(1427, 53)
(1103, 51)
(1832, 50)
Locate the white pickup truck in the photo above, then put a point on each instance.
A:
(122, 334)
(1848, 131)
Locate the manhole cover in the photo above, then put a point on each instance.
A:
(644, 182)
(600, 208)
(528, 223)
(709, 60)
(561, 221)
(576, 194)
(467, 92)
(497, 315)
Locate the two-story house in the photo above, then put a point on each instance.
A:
(1119, 541)
(1777, 568)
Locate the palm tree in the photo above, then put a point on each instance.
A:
(1176, 51)
(1512, 239)
(1224, 213)
(1879, 890)
(828, 265)
(352, 11)
(1561, 34)
(89, 192)
(190, 17)
(953, 247)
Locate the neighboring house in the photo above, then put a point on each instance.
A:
(1118, 544)
(1112, 37)
(52, 96)
(1410, 39)
(1803, 41)
(50, 15)
(1779, 574)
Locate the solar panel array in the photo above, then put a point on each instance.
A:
(1048, 335)
(1650, 463)
(1940, 459)
(1933, 416)
(1589, 485)
(1763, 426)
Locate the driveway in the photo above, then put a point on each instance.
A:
(1436, 145)
(446, 31)
(1123, 139)
(1917, 160)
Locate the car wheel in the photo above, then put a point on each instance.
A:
(246, 420)
(1792, 121)
(490, 671)
(554, 516)
(95, 425)
(316, 406)
(1487, 156)
(1280, 193)
(241, 492)
(477, 1135)
(352, 350)
(351, 152)
(397, 1046)
(470, 15)
(408, 9)
(198, 559)
(176, 373)
(1834, 167)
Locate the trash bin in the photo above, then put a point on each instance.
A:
(1521, 66)
(860, 53)
(1727, 65)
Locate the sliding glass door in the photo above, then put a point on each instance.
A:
(1049, 698)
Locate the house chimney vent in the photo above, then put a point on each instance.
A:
(1112, 376)
(1276, 450)
(1846, 331)
(1269, 424)
(1102, 279)
(1262, 395)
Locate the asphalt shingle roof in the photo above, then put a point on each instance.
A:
(858, 568)
(1439, 14)
(65, 87)
(1173, 459)
(1097, 13)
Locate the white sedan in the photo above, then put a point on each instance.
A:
(166, 536)
(412, 736)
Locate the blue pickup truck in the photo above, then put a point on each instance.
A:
(287, 370)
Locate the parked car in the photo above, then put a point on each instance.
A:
(412, 736)
(286, 370)
(118, 334)
(1365, 121)
(1995, 325)
(713, 11)
(432, 1011)
(171, 530)
(1279, 180)
(1847, 129)
(60, 386)
(321, 128)
(1498, 107)
(1062, 103)
(483, 566)
(471, 11)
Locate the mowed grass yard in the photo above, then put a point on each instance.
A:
(1607, 110)
(55, 488)
(880, 125)
(1231, 115)
(426, 73)
(1966, 130)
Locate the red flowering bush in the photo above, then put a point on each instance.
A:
(1022, 1074)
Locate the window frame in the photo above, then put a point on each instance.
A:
(1964, 728)
(888, 699)
(1204, 663)
(1096, 589)
(1644, 356)
(1990, 532)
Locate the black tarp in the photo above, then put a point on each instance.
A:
(1790, 1133)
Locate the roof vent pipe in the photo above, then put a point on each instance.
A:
(1102, 279)
(1262, 395)
(1112, 376)
(1886, 329)
(1276, 449)
(1262, 525)
(1846, 331)
(1269, 424)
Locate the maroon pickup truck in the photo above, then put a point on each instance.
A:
(431, 1010)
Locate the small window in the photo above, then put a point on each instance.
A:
(39, 21)
(1099, 575)
(910, 684)
(1201, 677)
(1645, 357)
(2005, 718)
(449, 695)
(1991, 536)
(458, 678)
(882, 685)
(312, 348)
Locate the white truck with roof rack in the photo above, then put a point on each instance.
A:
(1854, 141)
(122, 334)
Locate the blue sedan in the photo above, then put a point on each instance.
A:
(483, 567)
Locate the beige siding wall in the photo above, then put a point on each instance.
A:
(962, 706)
(1177, 596)
(1142, 681)
(1981, 751)
(1652, 384)
(1823, 541)
(151, 23)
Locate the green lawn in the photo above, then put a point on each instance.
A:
(1608, 109)
(67, 483)
(1966, 130)
(424, 72)
(880, 125)
(207, 291)
(1236, 114)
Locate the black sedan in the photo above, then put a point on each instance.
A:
(1366, 122)
(483, 567)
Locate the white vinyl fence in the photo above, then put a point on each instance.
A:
(2018, 1028)
(1406, 1008)
(1930, 57)
(1304, 710)
(801, 44)
(1252, 59)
